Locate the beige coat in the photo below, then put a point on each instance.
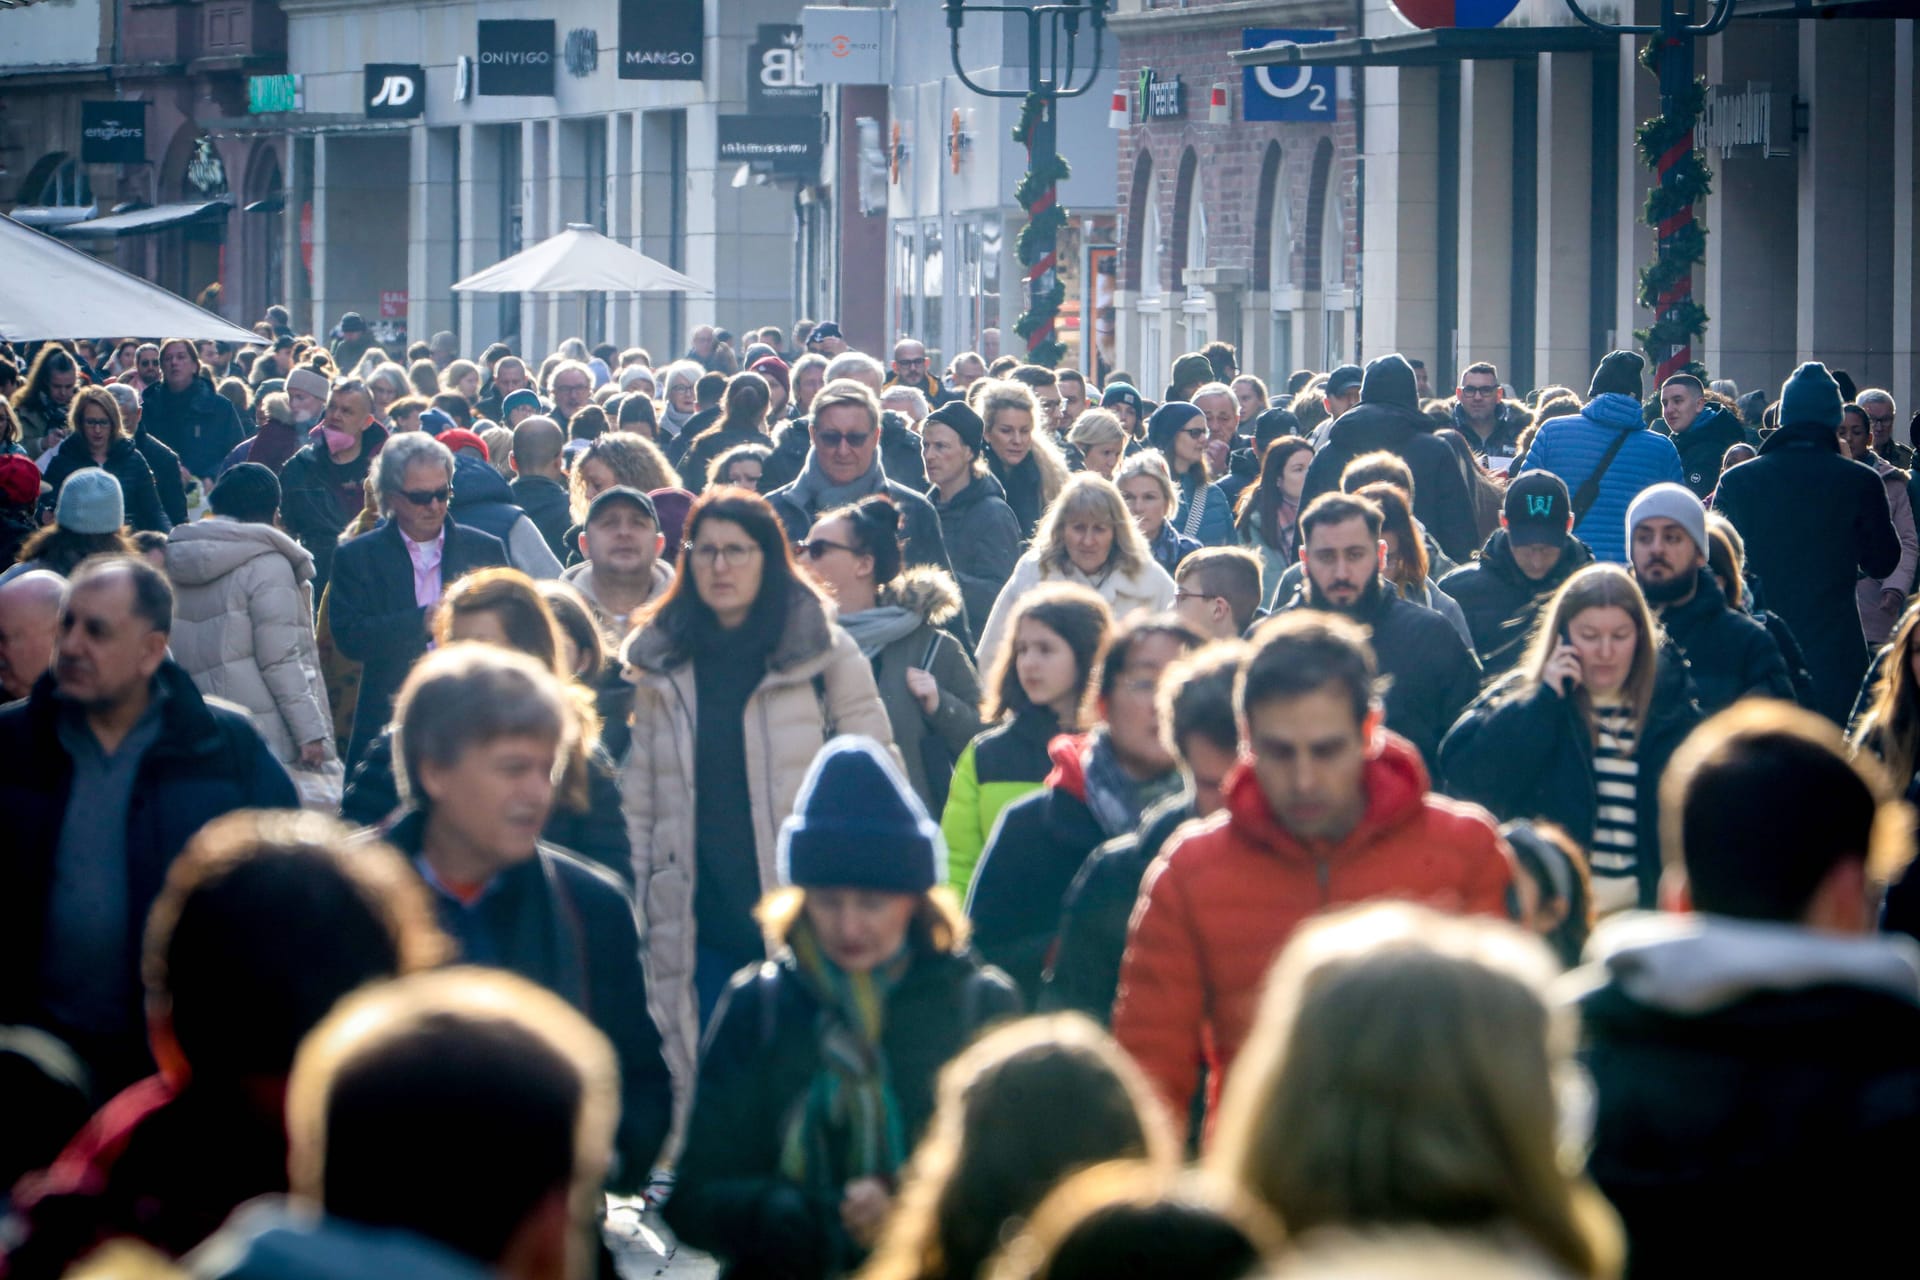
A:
(613, 629)
(787, 722)
(1148, 591)
(243, 627)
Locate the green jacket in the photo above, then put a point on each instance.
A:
(998, 767)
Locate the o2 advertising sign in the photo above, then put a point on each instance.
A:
(1287, 93)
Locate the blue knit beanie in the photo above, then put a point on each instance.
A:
(857, 824)
(1811, 395)
(1165, 423)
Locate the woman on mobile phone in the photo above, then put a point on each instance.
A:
(1581, 731)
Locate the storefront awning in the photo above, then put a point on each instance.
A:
(1428, 48)
(139, 222)
(53, 215)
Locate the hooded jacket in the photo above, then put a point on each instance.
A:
(982, 537)
(1226, 895)
(1813, 522)
(1524, 751)
(614, 628)
(928, 743)
(1728, 654)
(1501, 603)
(124, 463)
(899, 454)
(199, 424)
(1503, 441)
(1148, 589)
(1573, 446)
(243, 627)
(1388, 417)
(1758, 1084)
(998, 767)
(482, 500)
(319, 497)
(816, 686)
(1702, 445)
(1431, 675)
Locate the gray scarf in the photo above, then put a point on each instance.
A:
(1116, 800)
(876, 628)
(674, 420)
(813, 492)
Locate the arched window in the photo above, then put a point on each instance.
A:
(1139, 200)
(1333, 241)
(1150, 251)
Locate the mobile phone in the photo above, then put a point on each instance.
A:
(1566, 682)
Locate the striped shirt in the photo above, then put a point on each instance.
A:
(1616, 775)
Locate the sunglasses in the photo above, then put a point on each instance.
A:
(1195, 433)
(427, 497)
(817, 548)
(96, 422)
(834, 439)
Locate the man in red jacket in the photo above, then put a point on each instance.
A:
(1326, 808)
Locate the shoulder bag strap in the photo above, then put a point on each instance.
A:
(1589, 489)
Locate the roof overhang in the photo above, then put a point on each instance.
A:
(158, 217)
(1428, 48)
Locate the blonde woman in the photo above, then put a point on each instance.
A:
(1580, 732)
(1086, 537)
(1021, 456)
(1101, 440)
(1409, 1069)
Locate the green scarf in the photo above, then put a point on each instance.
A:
(848, 1124)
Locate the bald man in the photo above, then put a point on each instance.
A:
(29, 623)
(540, 486)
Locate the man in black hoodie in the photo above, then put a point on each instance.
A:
(1701, 432)
(1757, 1059)
(1523, 564)
(1388, 417)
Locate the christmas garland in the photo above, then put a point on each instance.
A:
(1035, 245)
(1666, 284)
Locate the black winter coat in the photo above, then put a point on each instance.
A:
(165, 465)
(1523, 751)
(199, 424)
(546, 503)
(1502, 441)
(570, 927)
(1022, 489)
(920, 538)
(375, 620)
(1501, 603)
(759, 1058)
(1431, 675)
(599, 835)
(1085, 973)
(1388, 417)
(1772, 1134)
(126, 464)
(1813, 522)
(982, 537)
(319, 497)
(1728, 654)
(1031, 859)
(713, 442)
(899, 454)
(1702, 445)
(207, 761)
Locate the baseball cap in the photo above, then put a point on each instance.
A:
(826, 329)
(618, 494)
(351, 322)
(1536, 509)
(1345, 379)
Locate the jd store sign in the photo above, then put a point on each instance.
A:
(395, 91)
(663, 39)
(517, 58)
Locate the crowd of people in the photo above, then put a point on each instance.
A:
(948, 823)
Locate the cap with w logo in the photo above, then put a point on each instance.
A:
(1536, 509)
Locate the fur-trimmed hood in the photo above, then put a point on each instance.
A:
(807, 638)
(932, 593)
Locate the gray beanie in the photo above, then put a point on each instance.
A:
(90, 502)
(1674, 502)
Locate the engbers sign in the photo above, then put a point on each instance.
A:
(516, 58)
(663, 39)
(113, 133)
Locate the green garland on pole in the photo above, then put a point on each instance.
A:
(1039, 237)
(1689, 182)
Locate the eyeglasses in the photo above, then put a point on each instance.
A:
(1479, 391)
(817, 548)
(427, 497)
(1195, 595)
(732, 554)
(1880, 420)
(834, 439)
(1194, 433)
(921, 363)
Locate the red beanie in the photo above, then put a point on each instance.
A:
(458, 439)
(19, 481)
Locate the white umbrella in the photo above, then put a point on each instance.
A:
(52, 290)
(579, 260)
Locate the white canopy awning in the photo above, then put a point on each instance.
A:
(580, 260)
(157, 217)
(53, 290)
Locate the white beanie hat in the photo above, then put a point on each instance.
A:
(1674, 502)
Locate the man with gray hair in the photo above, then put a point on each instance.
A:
(387, 580)
(899, 447)
(169, 477)
(1880, 410)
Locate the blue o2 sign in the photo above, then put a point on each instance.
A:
(1287, 93)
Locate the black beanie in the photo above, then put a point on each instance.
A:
(964, 422)
(857, 824)
(1618, 372)
(248, 492)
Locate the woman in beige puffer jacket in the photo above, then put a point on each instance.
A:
(804, 687)
(243, 627)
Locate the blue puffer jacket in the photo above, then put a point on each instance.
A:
(1572, 447)
(1206, 514)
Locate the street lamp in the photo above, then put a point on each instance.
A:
(1667, 285)
(1053, 74)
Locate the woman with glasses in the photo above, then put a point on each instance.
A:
(100, 440)
(1205, 514)
(740, 676)
(894, 613)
